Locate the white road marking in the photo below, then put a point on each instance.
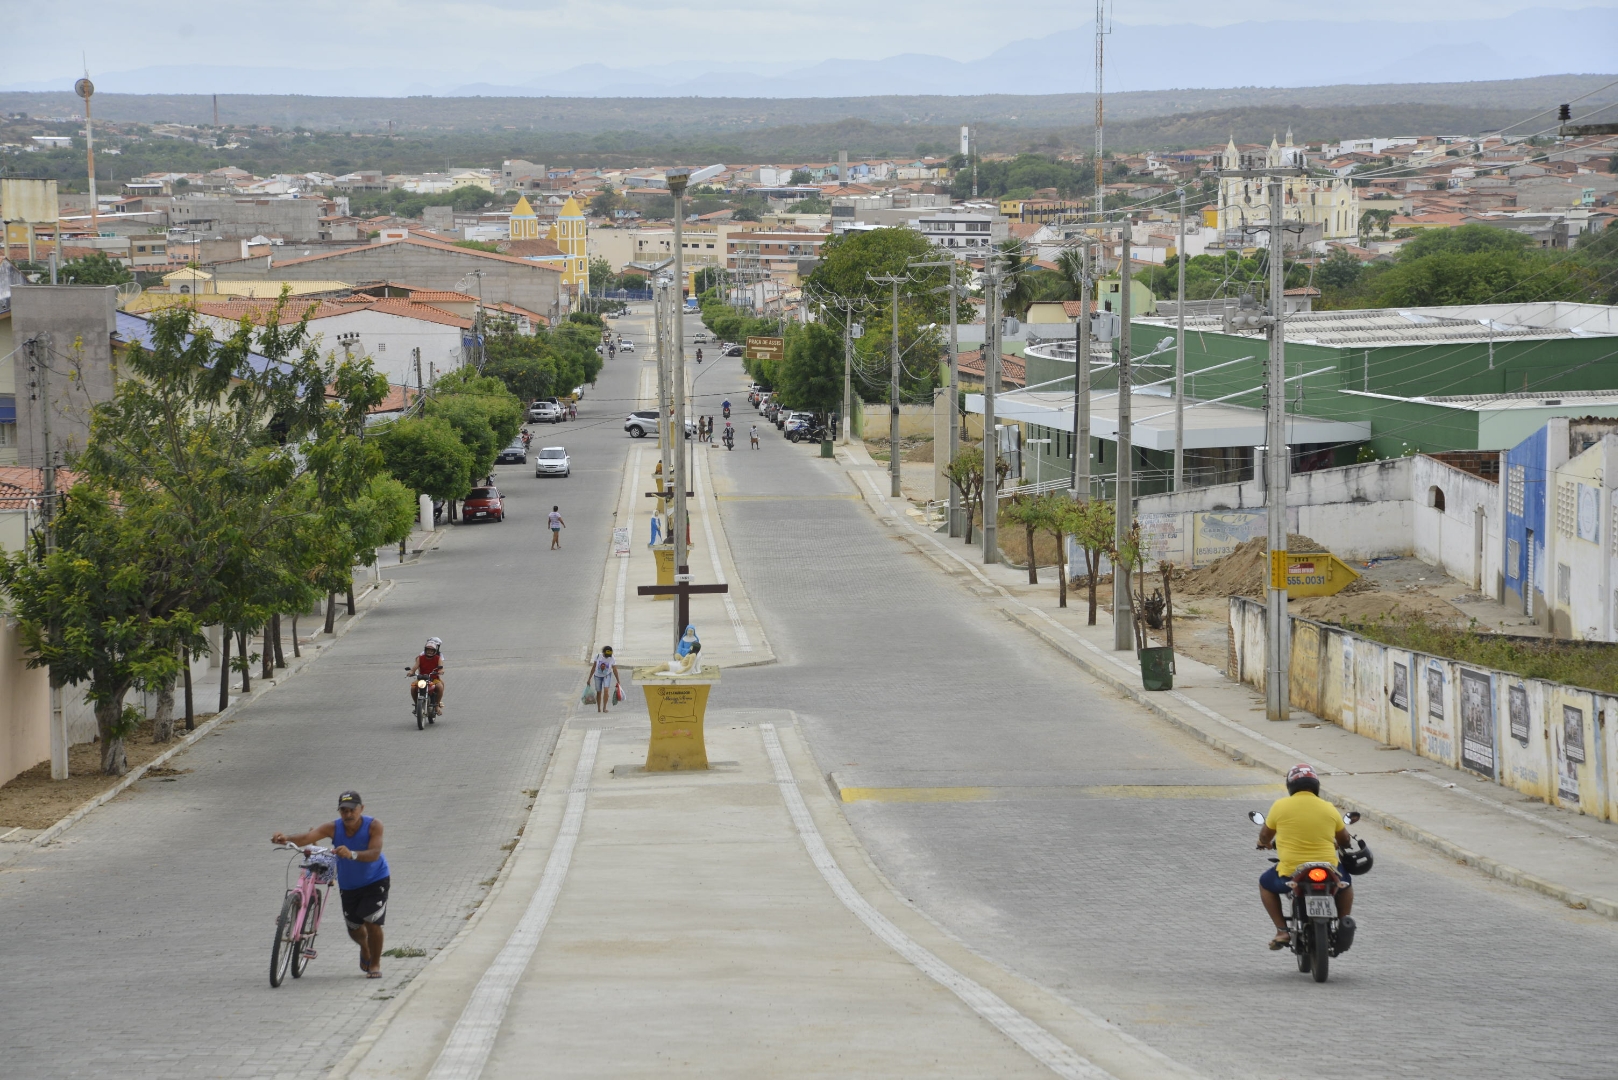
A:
(473, 1037)
(744, 643)
(1045, 1048)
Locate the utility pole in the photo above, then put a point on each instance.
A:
(848, 374)
(991, 436)
(1179, 357)
(1123, 619)
(677, 181)
(1101, 14)
(1277, 698)
(421, 387)
(1081, 382)
(39, 350)
(660, 297)
(955, 522)
(893, 398)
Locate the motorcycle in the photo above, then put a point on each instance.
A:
(730, 439)
(727, 412)
(423, 697)
(1317, 933)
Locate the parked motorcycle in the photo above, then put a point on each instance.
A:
(1317, 933)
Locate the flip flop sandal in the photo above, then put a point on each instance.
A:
(374, 973)
(363, 966)
(1280, 941)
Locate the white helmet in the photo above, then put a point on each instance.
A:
(435, 643)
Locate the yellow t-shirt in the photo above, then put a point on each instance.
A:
(1305, 831)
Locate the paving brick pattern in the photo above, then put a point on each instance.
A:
(139, 946)
(1141, 909)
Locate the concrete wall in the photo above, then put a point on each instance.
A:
(1549, 741)
(293, 219)
(1464, 538)
(80, 320)
(534, 286)
(386, 338)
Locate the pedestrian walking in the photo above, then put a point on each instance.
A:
(557, 525)
(752, 433)
(604, 677)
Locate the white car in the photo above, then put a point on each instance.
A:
(545, 412)
(626, 346)
(552, 461)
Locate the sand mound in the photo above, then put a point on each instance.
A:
(1244, 572)
(1346, 609)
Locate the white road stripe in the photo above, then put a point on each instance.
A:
(744, 643)
(1045, 1048)
(472, 1039)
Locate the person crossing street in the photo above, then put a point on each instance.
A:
(557, 525)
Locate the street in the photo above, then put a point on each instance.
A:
(1052, 826)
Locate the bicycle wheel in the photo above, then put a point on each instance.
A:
(304, 948)
(281, 951)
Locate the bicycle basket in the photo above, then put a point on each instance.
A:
(323, 865)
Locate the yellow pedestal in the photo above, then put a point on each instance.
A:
(676, 707)
(664, 554)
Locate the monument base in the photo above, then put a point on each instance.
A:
(676, 705)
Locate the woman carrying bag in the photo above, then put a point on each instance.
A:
(603, 680)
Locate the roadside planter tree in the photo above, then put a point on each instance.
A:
(966, 473)
(1092, 526)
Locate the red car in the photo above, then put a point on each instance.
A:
(483, 504)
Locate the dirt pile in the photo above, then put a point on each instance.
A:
(1351, 608)
(1244, 572)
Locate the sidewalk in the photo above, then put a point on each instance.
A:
(1567, 856)
(720, 923)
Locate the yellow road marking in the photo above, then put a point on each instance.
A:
(1095, 791)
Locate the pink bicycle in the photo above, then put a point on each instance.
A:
(299, 921)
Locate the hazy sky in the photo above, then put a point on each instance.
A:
(511, 41)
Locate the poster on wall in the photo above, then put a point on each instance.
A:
(1567, 771)
(1435, 690)
(1216, 533)
(1399, 698)
(1517, 696)
(1163, 536)
(1477, 722)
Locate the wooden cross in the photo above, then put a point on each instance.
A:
(669, 494)
(682, 590)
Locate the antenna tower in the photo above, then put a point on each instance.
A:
(1101, 17)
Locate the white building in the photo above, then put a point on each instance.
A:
(962, 231)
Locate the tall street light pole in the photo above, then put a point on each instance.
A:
(1123, 620)
(677, 181)
(1277, 697)
(1081, 382)
(1179, 357)
(893, 280)
(991, 436)
(955, 522)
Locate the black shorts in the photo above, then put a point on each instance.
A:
(366, 904)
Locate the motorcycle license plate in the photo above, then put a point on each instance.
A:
(1320, 907)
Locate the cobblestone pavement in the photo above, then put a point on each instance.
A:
(139, 946)
(1137, 900)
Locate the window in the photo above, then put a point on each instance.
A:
(1567, 508)
(8, 434)
(1513, 558)
(381, 346)
(1564, 583)
(1435, 498)
(1514, 490)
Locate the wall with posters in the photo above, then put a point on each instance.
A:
(1544, 739)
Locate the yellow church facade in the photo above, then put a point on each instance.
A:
(1330, 202)
(569, 234)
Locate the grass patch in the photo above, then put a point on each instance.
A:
(404, 952)
(1591, 665)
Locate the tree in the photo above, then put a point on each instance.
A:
(1092, 524)
(966, 473)
(94, 269)
(1025, 510)
(1479, 277)
(600, 274)
(605, 202)
(1341, 270)
(426, 455)
(800, 178)
(814, 204)
(485, 415)
(809, 376)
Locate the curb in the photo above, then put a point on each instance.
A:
(1493, 867)
(228, 713)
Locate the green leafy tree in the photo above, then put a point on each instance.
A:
(426, 455)
(1092, 525)
(600, 274)
(605, 202)
(809, 376)
(800, 178)
(966, 473)
(1026, 511)
(485, 415)
(1500, 277)
(94, 269)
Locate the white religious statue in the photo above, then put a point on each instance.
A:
(688, 661)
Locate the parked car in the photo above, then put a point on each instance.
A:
(483, 504)
(552, 461)
(546, 411)
(731, 350)
(796, 424)
(516, 452)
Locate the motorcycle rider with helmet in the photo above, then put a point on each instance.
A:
(430, 664)
(1304, 828)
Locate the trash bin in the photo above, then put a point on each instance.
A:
(1157, 668)
(826, 448)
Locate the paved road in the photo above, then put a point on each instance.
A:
(1138, 902)
(139, 946)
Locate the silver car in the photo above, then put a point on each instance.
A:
(552, 461)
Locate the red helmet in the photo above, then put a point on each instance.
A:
(1300, 771)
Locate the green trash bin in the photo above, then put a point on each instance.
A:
(1157, 668)
(826, 449)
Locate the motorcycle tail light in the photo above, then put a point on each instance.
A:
(1317, 874)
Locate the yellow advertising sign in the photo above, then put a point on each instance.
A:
(1318, 573)
(765, 348)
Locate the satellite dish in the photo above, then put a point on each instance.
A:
(127, 292)
(84, 88)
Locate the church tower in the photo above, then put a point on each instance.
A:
(524, 222)
(569, 235)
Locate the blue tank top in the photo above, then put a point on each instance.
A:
(350, 873)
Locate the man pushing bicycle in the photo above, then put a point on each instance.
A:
(362, 874)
